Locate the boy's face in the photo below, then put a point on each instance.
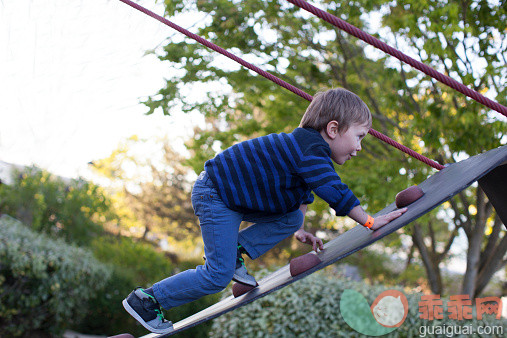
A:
(344, 146)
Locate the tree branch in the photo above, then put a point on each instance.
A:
(444, 253)
(492, 239)
(457, 219)
(493, 263)
(432, 237)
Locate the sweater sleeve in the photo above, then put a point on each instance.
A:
(317, 170)
(309, 198)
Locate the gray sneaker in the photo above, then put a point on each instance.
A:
(241, 275)
(147, 311)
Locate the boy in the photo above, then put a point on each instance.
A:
(266, 181)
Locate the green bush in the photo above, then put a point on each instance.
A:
(311, 308)
(74, 210)
(140, 260)
(45, 284)
(133, 264)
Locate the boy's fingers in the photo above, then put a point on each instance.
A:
(314, 243)
(394, 214)
(399, 212)
(318, 244)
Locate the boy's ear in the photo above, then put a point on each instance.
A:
(332, 129)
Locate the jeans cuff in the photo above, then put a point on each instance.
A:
(160, 299)
(249, 248)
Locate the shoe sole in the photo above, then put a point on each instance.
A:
(243, 281)
(134, 314)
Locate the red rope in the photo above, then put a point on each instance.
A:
(275, 79)
(343, 25)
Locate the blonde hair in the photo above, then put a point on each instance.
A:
(339, 105)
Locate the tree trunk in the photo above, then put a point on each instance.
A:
(475, 238)
(430, 261)
(145, 233)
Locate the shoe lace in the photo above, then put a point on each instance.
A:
(155, 306)
(160, 315)
(239, 256)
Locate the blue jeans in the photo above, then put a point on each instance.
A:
(221, 235)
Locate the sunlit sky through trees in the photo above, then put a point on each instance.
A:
(73, 74)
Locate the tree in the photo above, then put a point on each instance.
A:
(154, 184)
(465, 39)
(75, 210)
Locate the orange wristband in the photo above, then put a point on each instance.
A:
(369, 222)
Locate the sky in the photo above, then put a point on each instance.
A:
(72, 76)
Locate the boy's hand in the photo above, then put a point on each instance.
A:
(306, 237)
(380, 221)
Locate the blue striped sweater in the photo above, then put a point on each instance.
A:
(276, 174)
